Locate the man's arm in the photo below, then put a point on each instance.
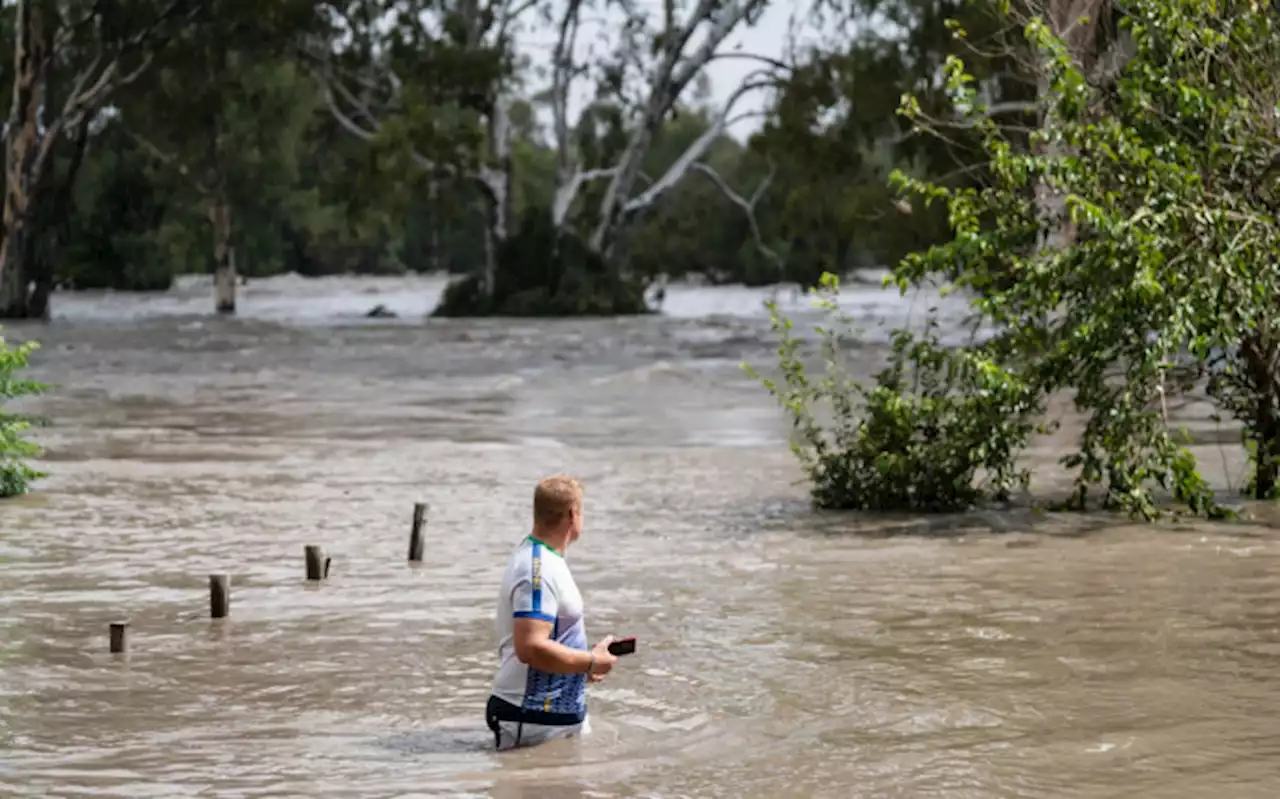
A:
(534, 647)
(535, 613)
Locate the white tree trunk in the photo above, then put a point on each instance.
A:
(224, 257)
(570, 177)
(495, 178)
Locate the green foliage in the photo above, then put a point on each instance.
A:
(310, 197)
(116, 238)
(15, 474)
(835, 138)
(938, 430)
(542, 274)
(233, 109)
(1169, 270)
(1130, 254)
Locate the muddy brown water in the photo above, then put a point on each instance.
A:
(783, 653)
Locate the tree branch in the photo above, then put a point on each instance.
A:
(88, 93)
(168, 159)
(567, 192)
(676, 172)
(725, 20)
(748, 207)
(762, 59)
(350, 125)
(561, 77)
(672, 75)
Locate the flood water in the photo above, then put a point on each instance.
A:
(782, 653)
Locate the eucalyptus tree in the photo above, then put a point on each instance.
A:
(68, 59)
(427, 83)
(226, 112)
(1162, 154)
(437, 79)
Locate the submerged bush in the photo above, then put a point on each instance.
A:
(15, 475)
(542, 273)
(939, 429)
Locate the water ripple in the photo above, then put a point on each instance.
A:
(783, 653)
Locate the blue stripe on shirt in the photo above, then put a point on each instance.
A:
(527, 614)
(536, 568)
(536, 581)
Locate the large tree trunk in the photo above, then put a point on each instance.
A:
(497, 190)
(54, 228)
(22, 147)
(495, 180)
(224, 257)
(619, 189)
(1265, 386)
(1267, 439)
(1056, 228)
(1077, 22)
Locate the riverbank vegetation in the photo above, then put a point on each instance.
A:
(1124, 250)
(16, 475)
(160, 137)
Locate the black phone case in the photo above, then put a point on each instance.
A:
(617, 648)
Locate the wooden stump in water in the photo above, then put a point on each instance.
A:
(119, 637)
(219, 595)
(317, 563)
(417, 537)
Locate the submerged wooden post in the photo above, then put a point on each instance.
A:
(317, 563)
(219, 595)
(119, 637)
(417, 538)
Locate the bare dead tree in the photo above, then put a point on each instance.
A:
(692, 157)
(678, 64)
(684, 46)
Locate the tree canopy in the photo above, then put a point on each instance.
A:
(1122, 254)
(249, 139)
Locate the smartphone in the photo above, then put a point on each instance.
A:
(622, 646)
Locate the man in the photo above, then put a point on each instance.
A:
(544, 662)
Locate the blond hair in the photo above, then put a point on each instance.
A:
(554, 497)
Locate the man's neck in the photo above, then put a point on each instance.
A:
(557, 541)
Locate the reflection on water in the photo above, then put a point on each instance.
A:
(783, 653)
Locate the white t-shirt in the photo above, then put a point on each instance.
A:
(537, 584)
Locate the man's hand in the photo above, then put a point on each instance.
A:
(605, 660)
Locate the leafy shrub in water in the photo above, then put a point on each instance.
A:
(1131, 255)
(939, 429)
(1154, 265)
(15, 475)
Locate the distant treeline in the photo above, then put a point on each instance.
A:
(157, 137)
